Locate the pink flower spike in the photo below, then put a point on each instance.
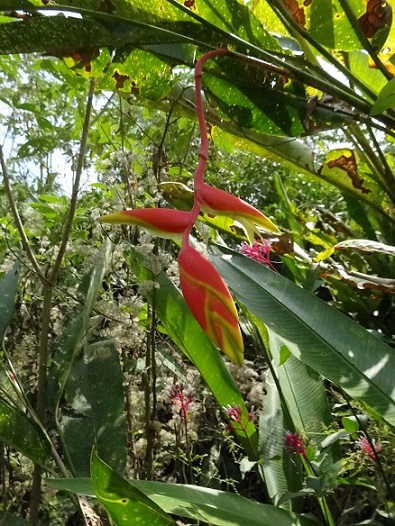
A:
(366, 448)
(234, 413)
(181, 398)
(293, 443)
(162, 222)
(259, 251)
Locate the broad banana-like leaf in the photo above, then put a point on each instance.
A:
(318, 335)
(219, 508)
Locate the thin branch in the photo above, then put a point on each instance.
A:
(18, 220)
(76, 186)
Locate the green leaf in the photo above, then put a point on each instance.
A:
(184, 330)
(330, 26)
(282, 473)
(140, 73)
(19, 433)
(287, 150)
(350, 424)
(366, 245)
(77, 329)
(203, 504)
(8, 291)
(130, 23)
(96, 414)
(256, 107)
(318, 335)
(304, 394)
(360, 68)
(385, 99)
(233, 17)
(124, 503)
(284, 354)
(343, 168)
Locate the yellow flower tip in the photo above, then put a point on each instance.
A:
(117, 218)
(218, 202)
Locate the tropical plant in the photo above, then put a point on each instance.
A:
(276, 75)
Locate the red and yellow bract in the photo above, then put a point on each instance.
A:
(218, 202)
(209, 300)
(162, 222)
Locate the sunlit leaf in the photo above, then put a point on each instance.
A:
(124, 503)
(385, 99)
(320, 336)
(366, 245)
(343, 168)
(219, 508)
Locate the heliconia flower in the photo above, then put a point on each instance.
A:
(162, 222)
(210, 302)
(218, 202)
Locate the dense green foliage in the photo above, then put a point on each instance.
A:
(108, 386)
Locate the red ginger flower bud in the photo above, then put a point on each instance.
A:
(209, 300)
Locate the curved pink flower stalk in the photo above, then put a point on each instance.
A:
(213, 200)
(162, 222)
(210, 302)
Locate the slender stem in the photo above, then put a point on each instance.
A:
(187, 447)
(203, 151)
(326, 512)
(76, 186)
(41, 395)
(17, 219)
(48, 287)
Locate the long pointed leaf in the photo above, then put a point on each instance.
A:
(317, 334)
(202, 504)
(124, 503)
(282, 474)
(305, 396)
(97, 418)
